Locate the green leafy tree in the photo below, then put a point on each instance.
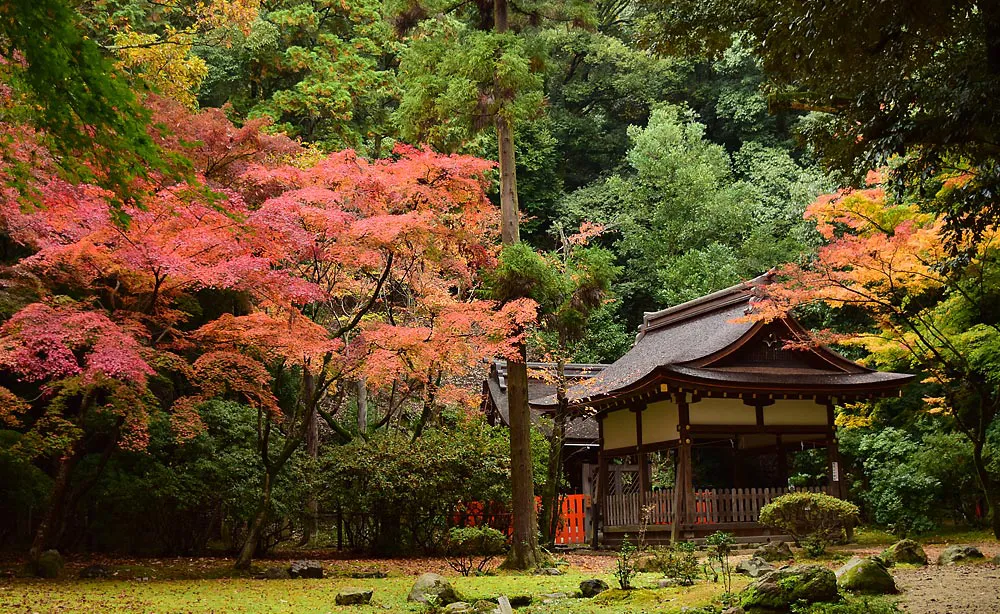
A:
(888, 78)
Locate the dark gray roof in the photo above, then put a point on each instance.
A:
(684, 342)
(541, 385)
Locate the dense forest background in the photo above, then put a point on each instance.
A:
(679, 137)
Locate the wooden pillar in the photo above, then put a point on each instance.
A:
(782, 461)
(601, 496)
(685, 479)
(643, 465)
(834, 470)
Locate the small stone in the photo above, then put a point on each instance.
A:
(735, 610)
(593, 587)
(959, 554)
(95, 572)
(549, 571)
(667, 583)
(754, 567)
(354, 596)
(866, 575)
(431, 584)
(905, 551)
(503, 606)
(274, 573)
(458, 607)
(774, 551)
(306, 569)
(366, 574)
(553, 597)
(485, 607)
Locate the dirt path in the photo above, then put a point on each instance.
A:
(967, 589)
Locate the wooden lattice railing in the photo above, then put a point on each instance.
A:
(716, 506)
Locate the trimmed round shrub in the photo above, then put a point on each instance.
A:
(472, 548)
(810, 517)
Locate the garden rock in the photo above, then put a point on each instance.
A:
(905, 551)
(754, 567)
(781, 588)
(354, 596)
(520, 601)
(274, 573)
(735, 610)
(593, 587)
(458, 607)
(774, 551)
(486, 607)
(306, 569)
(503, 606)
(431, 584)
(548, 598)
(959, 554)
(866, 575)
(549, 571)
(667, 583)
(50, 564)
(95, 572)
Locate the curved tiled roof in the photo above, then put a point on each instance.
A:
(686, 344)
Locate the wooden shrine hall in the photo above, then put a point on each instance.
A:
(698, 421)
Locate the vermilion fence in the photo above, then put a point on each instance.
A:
(572, 518)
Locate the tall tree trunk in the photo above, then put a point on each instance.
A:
(50, 528)
(312, 504)
(525, 553)
(988, 484)
(551, 494)
(256, 525)
(362, 406)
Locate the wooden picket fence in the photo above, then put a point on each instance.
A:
(572, 521)
(715, 506)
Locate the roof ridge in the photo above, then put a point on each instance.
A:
(653, 320)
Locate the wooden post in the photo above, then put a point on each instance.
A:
(782, 461)
(834, 471)
(683, 481)
(643, 468)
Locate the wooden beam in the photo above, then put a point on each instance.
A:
(774, 429)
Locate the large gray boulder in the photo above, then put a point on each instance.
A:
(354, 596)
(50, 564)
(774, 551)
(593, 587)
(433, 585)
(781, 588)
(906, 552)
(959, 554)
(754, 567)
(306, 569)
(866, 575)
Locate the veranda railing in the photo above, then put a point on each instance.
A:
(713, 506)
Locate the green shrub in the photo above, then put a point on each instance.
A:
(721, 546)
(813, 517)
(679, 562)
(467, 544)
(626, 569)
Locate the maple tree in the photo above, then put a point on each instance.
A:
(890, 260)
(337, 266)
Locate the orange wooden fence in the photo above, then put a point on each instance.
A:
(572, 518)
